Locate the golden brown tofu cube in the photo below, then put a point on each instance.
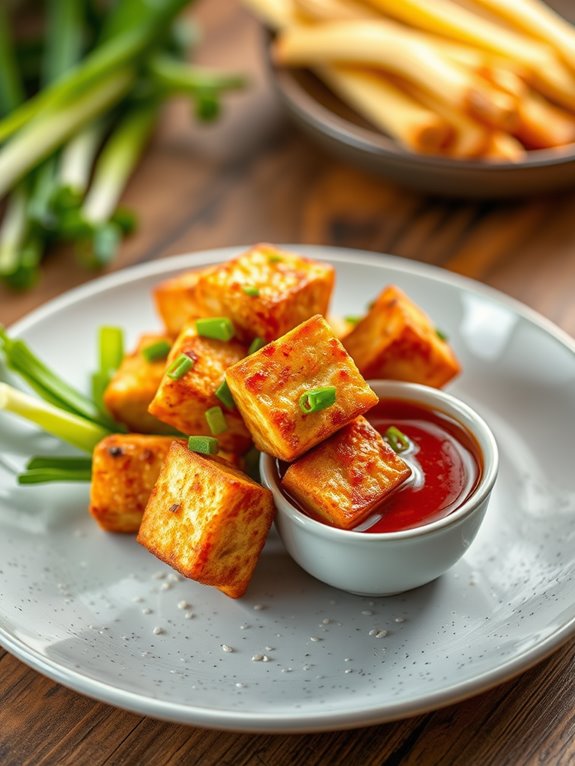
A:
(183, 403)
(267, 387)
(133, 386)
(176, 302)
(266, 291)
(343, 479)
(397, 340)
(125, 468)
(207, 520)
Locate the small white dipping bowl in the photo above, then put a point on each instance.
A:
(382, 564)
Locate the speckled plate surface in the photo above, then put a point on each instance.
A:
(102, 616)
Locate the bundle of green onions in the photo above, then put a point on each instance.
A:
(76, 111)
(61, 410)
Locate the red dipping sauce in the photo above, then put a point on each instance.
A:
(445, 463)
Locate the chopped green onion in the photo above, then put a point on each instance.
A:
(397, 440)
(156, 351)
(251, 290)
(255, 345)
(217, 328)
(274, 258)
(205, 445)
(441, 335)
(225, 395)
(353, 319)
(317, 399)
(179, 367)
(216, 420)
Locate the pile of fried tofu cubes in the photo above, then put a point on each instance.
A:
(249, 359)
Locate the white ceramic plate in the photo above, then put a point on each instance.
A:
(81, 606)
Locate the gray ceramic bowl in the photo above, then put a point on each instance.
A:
(330, 122)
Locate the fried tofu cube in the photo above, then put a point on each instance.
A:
(267, 387)
(176, 302)
(397, 340)
(207, 520)
(183, 403)
(133, 386)
(125, 468)
(345, 477)
(266, 291)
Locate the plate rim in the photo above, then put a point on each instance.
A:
(298, 722)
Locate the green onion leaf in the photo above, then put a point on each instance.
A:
(353, 319)
(251, 290)
(255, 345)
(156, 351)
(441, 335)
(45, 475)
(216, 420)
(317, 399)
(217, 328)
(59, 462)
(179, 367)
(111, 348)
(225, 395)
(397, 440)
(274, 258)
(67, 426)
(205, 445)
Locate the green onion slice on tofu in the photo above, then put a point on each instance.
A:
(251, 290)
(255, 345)
(216, 420)
(204, 445)
(179, 367)
(217, 328)
(225, 395)
(156, 351)
(317, 399)
(397, 440)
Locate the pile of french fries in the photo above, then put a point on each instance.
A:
(467, 79)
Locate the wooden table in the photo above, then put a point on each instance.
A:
(249, 178)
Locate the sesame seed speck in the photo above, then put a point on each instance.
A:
(227, 649)
(158, 575)
(315, 639)
(183, 605)
(258, 607)
(399, 619)
(146, 610)
(157, 631)
(166, 586)
(366, 611)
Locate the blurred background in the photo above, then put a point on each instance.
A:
(248, 173)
